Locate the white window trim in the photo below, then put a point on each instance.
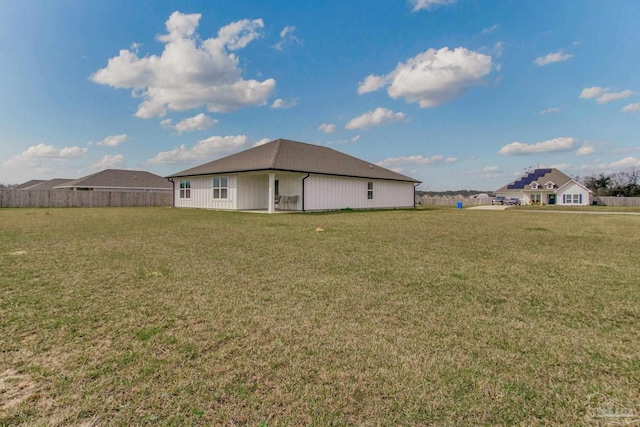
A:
(184, 192)
(572, 198)
(220, 187)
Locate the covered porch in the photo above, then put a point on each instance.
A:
(540, 198)
(271, 192)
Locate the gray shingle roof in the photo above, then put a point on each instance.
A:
(49, 185)
(120, 179)
(27, 185)
(292, 156)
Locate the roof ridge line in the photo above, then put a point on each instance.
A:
(276, 152)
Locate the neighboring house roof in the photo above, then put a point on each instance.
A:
(49, 185)
(292, 156)
(27, 185)
(537, 176)
(119, 179)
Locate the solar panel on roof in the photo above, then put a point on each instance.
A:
(528, 179)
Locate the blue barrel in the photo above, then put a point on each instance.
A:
(459, 205)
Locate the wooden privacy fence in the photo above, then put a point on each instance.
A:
(452, 201)
(616, 201)
(81, 199)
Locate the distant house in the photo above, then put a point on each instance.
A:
(27, 185)
(547, 187)
(118, 180)
(289, 175)
(49, 185)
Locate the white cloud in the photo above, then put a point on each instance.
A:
(560, 166)
(35, 153)
(239, 34)
(355, 138)
(631, 107)
(203, 151)
(550, 146)
(585, 150)
(451, 160)
(626, 163)
(397, 162)
(113, 140)
(377, 117)
(498, 50)
(109, 162)
(490, 169)
(198, 122)
(592, 92)
(604, 95)
(489, 29)
(428, 4)
(327, 127)
(262, 142)
(612, 96)
(287, 38)
(70, 152)
(370, 84)
(190, 72)
(550, 110)
(552, 57)
(284, 103)
(432, 77)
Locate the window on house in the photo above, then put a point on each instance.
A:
(534, 186)
(277, 187)
(550, 185)
(572, 199)
(370, 190)
(220, 187)
(185, 189)
(535, 199)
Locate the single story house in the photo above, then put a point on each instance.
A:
(118, 180)
(547, 187)
(49, 185)
(27, 185)
(295, 176)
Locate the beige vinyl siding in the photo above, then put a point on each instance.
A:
(202, 193)
(329, 192)
(253, 192)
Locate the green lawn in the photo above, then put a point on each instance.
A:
(160, 316)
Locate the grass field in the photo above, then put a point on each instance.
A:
(599, 209)
(159, 316)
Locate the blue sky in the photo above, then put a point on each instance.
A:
(460, 94)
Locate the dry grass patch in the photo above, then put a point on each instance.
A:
(448, 317)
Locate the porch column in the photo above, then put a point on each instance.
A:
(272, 191)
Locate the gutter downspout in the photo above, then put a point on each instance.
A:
(303, 190)
(173, 194)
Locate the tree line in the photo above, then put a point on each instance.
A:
(619, 184)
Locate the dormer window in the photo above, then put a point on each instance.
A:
(550, 185)
(535, 186)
